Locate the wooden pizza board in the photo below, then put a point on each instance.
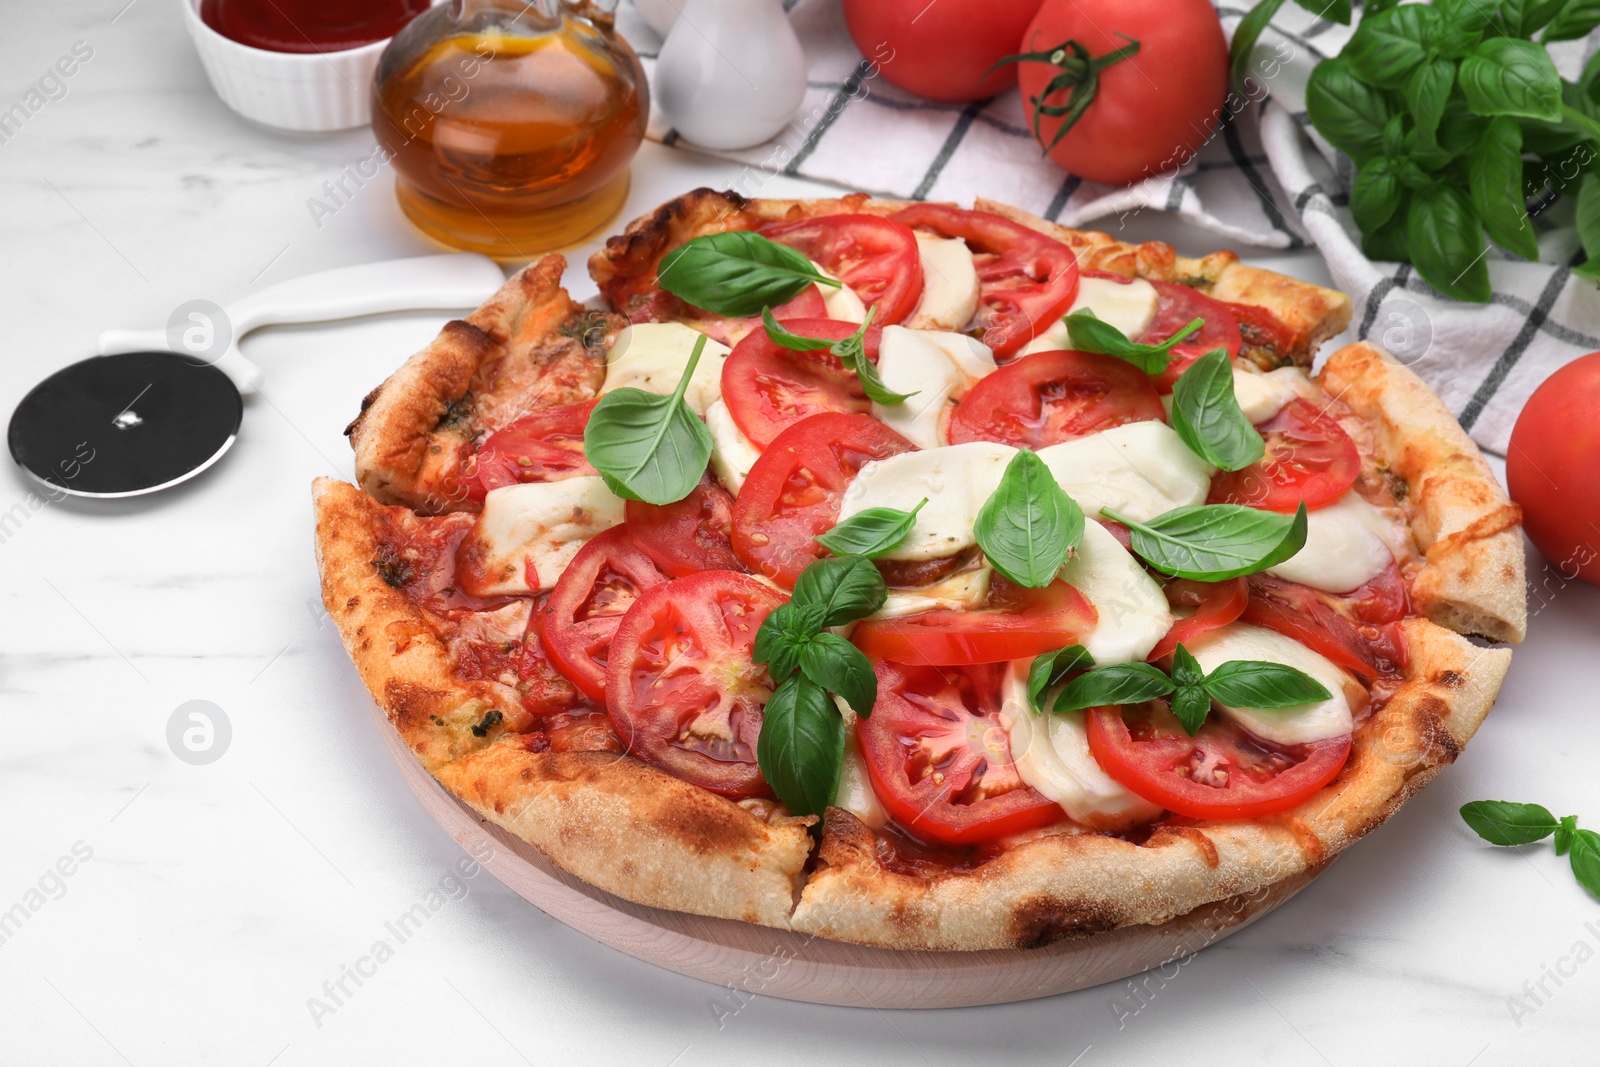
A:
(754, 959)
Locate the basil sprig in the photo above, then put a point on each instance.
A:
(1049, 669)
(1215, 542)
(1029, 525)
(1238, 683)
(801, 747)
(1456, 119)
(851, 351)
(1090, 333)
(872, 532)
(736, 273)
(1207, 416)
(647, 446)
(1505, 822)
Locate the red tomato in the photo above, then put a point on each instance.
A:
(1220, 773)
(769, 388)
(941, 51)
(1026, 281)
(1260, 328)
(1049, 397)
(874, 256)
(546, 446)
(681, 688)
(1153, 110)
(1210, 604)
(792, 493)
(694, 534)
(1176, 307)
(598, 587)
(1553, 468)
(1358, 630)
(545, 690)
(940, 758)
(1016, 623)
(1309, 458)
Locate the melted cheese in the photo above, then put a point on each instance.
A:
(1133, 610)
(938, 368)
(1261, 396)
(732, 453)
(1295, 725)
(963, 591)
(652, 355)
(1345, 547)
(1140, 469)
(855, 787)
(1129, 307)
(539, 527)
(956, 480)
(949, 285)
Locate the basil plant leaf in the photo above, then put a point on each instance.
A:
(784, 636)
(1347, 111)
(851, 351)
(1050, 668)
(1524, 18)
(1505, 76)
(1585, 859)
(840, 590)
(1427, 92)
(1249, 683)
(1245, 36)
(1190, 706)
(1186, 670)
(840, 667)
(1505, 822)
(1207, 416)
(1215, 542)
(1376, 194)
(1564, 831)
(1332, 10)
(1589, 225)
(801, 747)
(1120, 683)
(1494, 178)
(1385, 49)
(1090, 333)
(1446, 243)
(1578, 18)
(646, 446)
(736, 273)
(872, 532)
(786, 338)
(1029, 525)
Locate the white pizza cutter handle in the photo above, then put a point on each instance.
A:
(456, 280)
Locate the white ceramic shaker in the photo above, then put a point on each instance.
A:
(731, 72)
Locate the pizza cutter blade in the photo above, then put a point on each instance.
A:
(157, 407)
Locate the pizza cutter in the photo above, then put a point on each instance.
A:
(157, 407)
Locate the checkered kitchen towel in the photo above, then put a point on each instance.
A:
(1265, 179)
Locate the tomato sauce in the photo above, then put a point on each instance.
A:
(309, 25)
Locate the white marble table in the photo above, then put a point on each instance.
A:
(215, 901)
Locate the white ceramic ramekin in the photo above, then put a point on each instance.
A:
(302, 91)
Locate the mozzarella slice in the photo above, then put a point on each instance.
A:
(1051, 753)
(841, 301)
(732, 453)
(855, 787)
(964, 591)
(1129, 307)
(1261, 396)
(1140, 469)
(652, 355)
(527, 534)
(1133, 610)
(957, 481)
(1295, 725)
(949, 284)
(1343, 549)
(938, 368)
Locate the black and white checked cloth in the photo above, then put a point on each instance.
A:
(1264, 179)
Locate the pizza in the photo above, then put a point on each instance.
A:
(919, 576)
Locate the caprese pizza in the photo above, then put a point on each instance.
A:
(919, 576)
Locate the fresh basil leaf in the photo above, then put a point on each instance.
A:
(841, 590)
(1332, 10)
(1427, 91)
(1090, 333)
(1585, 859)
(840, 667)
(1564, 831)
(1373, 8)
(853, 355)
(1186, 670)
(1029, 525)
(646, 446)
(1207, 416)
(1504, 76)
(1190, 706)
(1245, 36)
(1249, 683)
(1423, 155)
(801, 747)
(1049, 669)
(1505, 822)
(1215, 542)
(736, 273)
(783, 636)
(1388, 243)
(1446, 243)
(1347, 111)
(1463, 23)
(1577, 19)
(1459, 129)
(1385, 50)
(872, 532)
(1524, 18)
(1120, 683)
(1588, 221)
(1494, 177)
(786, 338)
(1376, 194)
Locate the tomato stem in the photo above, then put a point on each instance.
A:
(1079, 77)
